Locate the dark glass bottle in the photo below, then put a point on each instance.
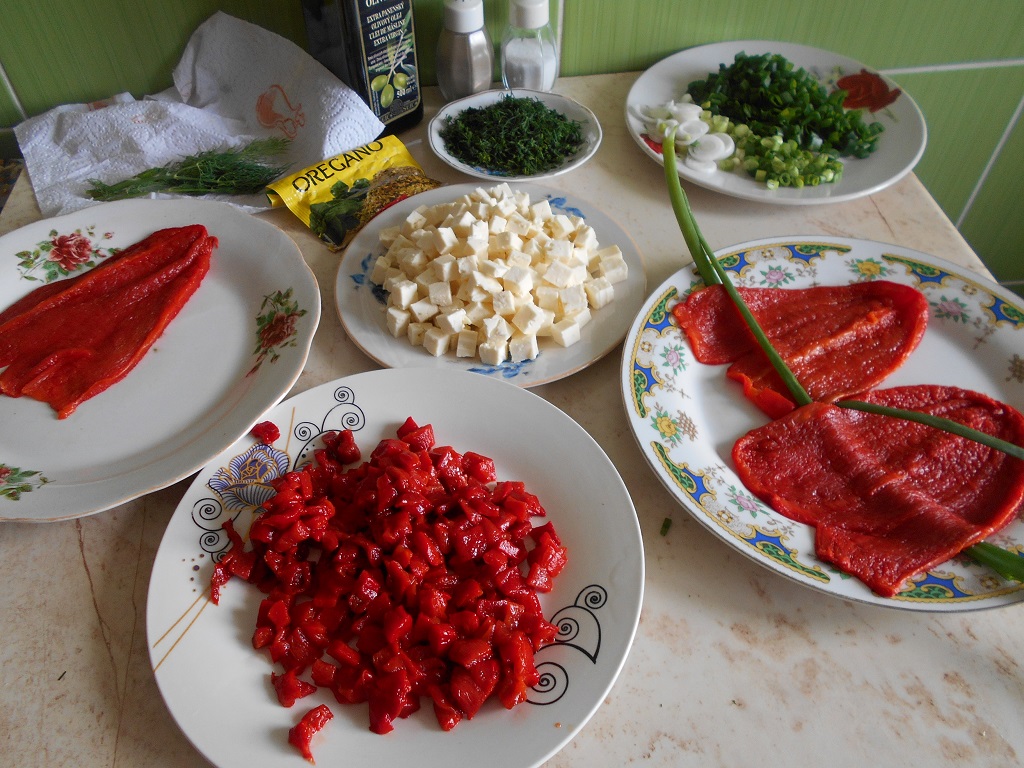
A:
(371, 46)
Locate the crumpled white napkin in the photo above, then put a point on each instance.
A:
(235, 82)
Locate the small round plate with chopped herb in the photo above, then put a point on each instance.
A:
(515, 135)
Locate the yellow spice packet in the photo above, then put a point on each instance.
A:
(336, 197)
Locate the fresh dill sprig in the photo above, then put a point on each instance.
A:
(238, 171)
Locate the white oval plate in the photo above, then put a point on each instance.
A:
(568, 107)
(361, 304)
(686, 416)
(203, 384)
(897, 152)
(217, 686)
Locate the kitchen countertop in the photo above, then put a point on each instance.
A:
(732, 665)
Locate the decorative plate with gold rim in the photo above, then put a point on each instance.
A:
(686, 416)
(233, 351)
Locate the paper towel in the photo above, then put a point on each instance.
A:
(235, 82)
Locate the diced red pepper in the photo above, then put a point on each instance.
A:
(412, 574)
(301, 734)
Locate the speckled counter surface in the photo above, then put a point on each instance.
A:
(732, 665)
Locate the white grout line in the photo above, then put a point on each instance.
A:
(9, 87)
(991, 162)
(929, 68)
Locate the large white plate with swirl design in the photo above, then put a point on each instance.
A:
(361, 304)
(233, 351)
(217, 687)
(686, 416)
(899, 147)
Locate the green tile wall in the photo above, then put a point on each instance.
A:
(58, 51)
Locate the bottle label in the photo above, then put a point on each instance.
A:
(388, 39)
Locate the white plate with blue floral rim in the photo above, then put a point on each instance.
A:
(686, 416)
(570, 108)
(233, 351)
(217, 686)
(361, 304)
(899, 147)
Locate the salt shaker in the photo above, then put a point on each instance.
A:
(465, 54)
(529, 57)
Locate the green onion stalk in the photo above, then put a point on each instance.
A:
(1005, 563)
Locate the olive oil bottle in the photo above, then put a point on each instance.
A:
(371, 46)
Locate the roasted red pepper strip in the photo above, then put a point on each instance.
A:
(65, 346)
(837, 340)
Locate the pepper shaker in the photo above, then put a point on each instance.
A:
(465, 54)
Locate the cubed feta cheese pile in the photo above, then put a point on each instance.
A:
(488, 274)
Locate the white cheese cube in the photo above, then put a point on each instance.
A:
(445, 239)
(469, 292)
(397, 321)
(506, 206)
(599, 291)
(547, 297)
(417, 331)
(558, 250)
(479, 280)
(614, 268)
(505, 242)
(462, 225)
(452, 322)
(379, 273)
(423, 310)
(388, 235)
(493, 352)
(467, 265)
(478, 210)
(573, 299)
(518, 225)
(415, 220)
(496, 225)
(481, 195)
(529, 319)
(560, 226)
(466, 344)
(518, 280)
(504, 303)
(403, 293)
(566, 332)
(440, 293)
(423, 239)
(495, 268)
(413, 262)
(436, 341)
(478, 311)
(519, 258)
(540, 211)
(496, 328)
(582, 317)
(446, 267)
(523, 346)
(561, 275)
(585, 237)
(476, 246)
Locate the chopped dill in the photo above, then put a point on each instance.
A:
(514, 136)
(241, 171)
